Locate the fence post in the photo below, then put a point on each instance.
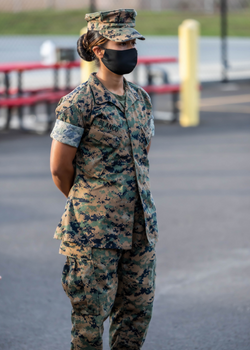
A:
(92, 6)
(86, 67)
(223, 15)
(188, 63)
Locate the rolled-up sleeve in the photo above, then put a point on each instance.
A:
(69, 125)
(67, 133)
(152, 125)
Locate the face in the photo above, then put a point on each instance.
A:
(116, 45)
(112, 45)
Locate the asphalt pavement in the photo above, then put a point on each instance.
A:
(200, 180)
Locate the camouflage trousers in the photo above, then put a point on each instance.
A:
(113, 283)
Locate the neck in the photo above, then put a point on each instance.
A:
(111, 81)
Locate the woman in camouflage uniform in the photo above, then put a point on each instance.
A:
(99, 160)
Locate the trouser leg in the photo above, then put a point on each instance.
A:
(91, 285)
(132, 310)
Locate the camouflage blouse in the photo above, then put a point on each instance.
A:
(111, 165)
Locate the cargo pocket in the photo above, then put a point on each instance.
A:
(79, 283)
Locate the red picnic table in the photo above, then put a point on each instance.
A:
(17, 97)
(21, 67)
(152, 60)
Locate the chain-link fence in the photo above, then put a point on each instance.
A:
(202, 6)
(26, 24)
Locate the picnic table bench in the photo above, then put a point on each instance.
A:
(17, 97)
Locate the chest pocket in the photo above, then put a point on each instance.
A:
(102, 150)
(106, 139)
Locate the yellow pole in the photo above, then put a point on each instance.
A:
(86, 67)
(188, 63)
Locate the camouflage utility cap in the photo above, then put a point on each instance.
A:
(116, 25)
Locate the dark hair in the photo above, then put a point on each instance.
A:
(86, 42)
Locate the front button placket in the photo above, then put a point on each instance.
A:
(131, 115)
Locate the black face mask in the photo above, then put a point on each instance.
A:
(120, 61)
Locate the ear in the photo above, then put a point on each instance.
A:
(98, 52)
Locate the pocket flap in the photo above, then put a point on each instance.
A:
(75, 251)
(104, 137)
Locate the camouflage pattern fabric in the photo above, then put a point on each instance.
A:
(117, 25)
(111, 166)
(67, 133)
(152, 125)
(116, 283)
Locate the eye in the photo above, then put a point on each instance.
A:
(127, 43)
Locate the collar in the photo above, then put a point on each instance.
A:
(102, 94)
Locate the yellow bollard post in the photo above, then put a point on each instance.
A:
(86, 67)
(188, 63)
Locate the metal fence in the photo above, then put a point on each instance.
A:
(202, 6)
(21, 48)
(217, 61)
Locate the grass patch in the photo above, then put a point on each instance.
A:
(147, 22)
(166, 23)
(42, 22)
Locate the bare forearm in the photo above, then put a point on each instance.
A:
(64, 180)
